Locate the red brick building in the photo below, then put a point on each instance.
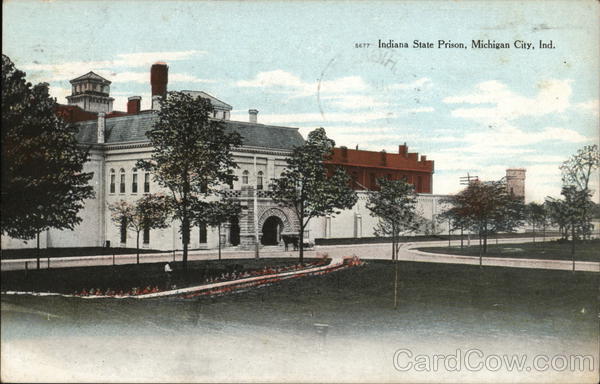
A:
(365, 167)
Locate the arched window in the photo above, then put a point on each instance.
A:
(245, 177)
(146, 182)
(113, 179)
(122, 181)
(259, 180)
(146, 235)
(134, 181)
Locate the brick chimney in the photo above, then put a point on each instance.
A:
(403, 150)
(253, 115)
(101, 127)
(159, 77)
(344, 153)
(134, 104)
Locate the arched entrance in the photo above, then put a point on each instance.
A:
(271, 231)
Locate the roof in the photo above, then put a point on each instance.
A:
(90, 76)
(214, 101)
(133, 128)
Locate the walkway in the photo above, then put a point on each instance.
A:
(380, 251)
(335, 264)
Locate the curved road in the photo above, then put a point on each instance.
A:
(381, 251)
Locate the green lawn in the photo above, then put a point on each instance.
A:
(588, 250)
(270, 333)
(125, 277)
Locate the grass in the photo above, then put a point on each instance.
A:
(45, 253)
(442, 307)
(587, 250)
(357, 298)
(125, 277)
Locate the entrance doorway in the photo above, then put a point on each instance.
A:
(234, 231)
(271, 231)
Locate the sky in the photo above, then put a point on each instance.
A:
(476, 111)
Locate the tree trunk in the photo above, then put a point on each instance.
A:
(461, 237)
(301, 244)
(544, 232)
(396, 284)
(185, 236)
(219, 227)
(534, 232)
(137, 247)
(38, 250)
(393, 242)
(573, 244)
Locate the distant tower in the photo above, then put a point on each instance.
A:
(90, 92)
(159, 78)
(515, 182)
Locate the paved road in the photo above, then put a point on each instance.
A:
(364, 251)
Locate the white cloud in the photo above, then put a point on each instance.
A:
(72, 69)
(59, 93)
(591, 106)
(355, 102)
(544, 159)
(505, 105)
(280, 81)
(417, 84)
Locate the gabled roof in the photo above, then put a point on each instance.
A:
(215, 102)
(133, 128)
(90, 76)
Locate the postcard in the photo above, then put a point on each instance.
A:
(300, 191)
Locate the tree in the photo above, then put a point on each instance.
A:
(456, 218)
(535, 215)
(576, 173)
(306, 187)
(216, 213)
(394, 205)
(192, 155)
(43, 183)
(488, 208)
(149, 212)
(577, 170)
(568, 213)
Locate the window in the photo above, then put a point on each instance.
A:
(202, 233)
(112, 181)
(146, 235)
(259, 180)
(122, 181)
(134, 181)
(123, 230)
(146, 183)
(245, 177)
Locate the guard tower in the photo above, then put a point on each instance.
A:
(90, 92)
(515, 182)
